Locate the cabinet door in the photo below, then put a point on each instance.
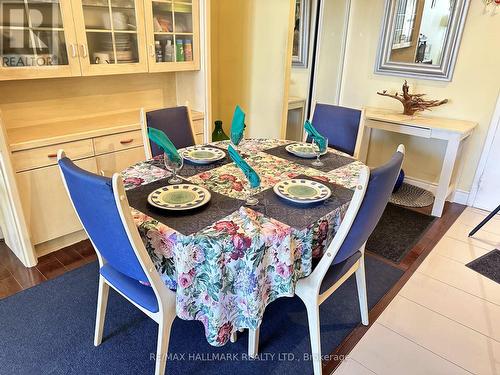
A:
(118, 161)
(111, 36)
(173, 35)
(38, 39)
(47, 208)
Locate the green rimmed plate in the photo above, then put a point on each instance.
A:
(300, 190)
(179, 197)
(202, 154)
(302, 150)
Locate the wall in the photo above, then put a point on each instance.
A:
(249, 62)
(472, 92)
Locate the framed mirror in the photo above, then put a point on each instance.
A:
(421, 38)
(301, 33)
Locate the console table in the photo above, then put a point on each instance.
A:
(454, 132)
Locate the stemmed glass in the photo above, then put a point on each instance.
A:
(319, 151)
(251, 200)
(173, 166)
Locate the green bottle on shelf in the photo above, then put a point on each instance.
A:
(218, 133)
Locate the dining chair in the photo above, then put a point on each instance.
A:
(341, 125)
(124, 264)
(175, 122)
(345, 255)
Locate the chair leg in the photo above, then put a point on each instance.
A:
(361, 284)
(164, 327)
(102, 302)
(253, 342)
(314, 333)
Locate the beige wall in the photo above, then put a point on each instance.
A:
(472, 92)
(249, 62)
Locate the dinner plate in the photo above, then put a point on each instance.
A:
(179, 197)
(300, 190)
(202, 154)
(302, 150)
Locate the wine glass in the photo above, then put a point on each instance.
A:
(319, 151)
(173, 166)
(251, 199)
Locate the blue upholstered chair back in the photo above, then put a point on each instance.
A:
(94, 201)
(174, 122)
(339, 124)
(380, 186)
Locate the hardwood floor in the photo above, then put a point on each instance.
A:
(14, 277)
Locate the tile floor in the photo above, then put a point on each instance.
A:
(445, 320)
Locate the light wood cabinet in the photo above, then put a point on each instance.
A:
(45, 156)
(173, 36)
(117, 142)
(47, 208)
(111, 36)
(39, 40)
(64, 38)
(118, 161)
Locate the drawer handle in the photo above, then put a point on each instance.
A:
(125, 141)
(54, 155)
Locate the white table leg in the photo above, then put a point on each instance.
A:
(445, 176)
(362, 145)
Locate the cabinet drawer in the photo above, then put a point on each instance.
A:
(198, 126)
(118, 161)
(45, 156)
(117, 142)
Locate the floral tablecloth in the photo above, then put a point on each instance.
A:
(226, 273)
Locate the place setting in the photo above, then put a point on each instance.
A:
(314, 154)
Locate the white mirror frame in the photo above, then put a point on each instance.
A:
(442, 72)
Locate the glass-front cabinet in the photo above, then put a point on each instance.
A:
(63, 38)
(111, 36)
(172, 29)
(37, 39)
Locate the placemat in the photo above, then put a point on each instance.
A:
(187, 222)
(190, 169)
(331, 160)
(300, 216)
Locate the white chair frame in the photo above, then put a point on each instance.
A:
(308, 287)
(165, 297)
(144, 130)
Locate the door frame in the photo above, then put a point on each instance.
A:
(494, 126)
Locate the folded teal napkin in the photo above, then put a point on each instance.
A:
(163, 142)
(314, 134)
(237, 126)
(249, 172)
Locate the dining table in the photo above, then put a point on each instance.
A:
(227, 261)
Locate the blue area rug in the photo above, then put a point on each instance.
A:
(49, 329)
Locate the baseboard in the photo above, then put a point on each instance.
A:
(60, 243)
(458, 196)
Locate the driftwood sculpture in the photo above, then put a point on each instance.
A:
(413, 102)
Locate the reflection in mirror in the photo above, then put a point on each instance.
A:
(301, 33)
(421, 37)
(420, 28)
